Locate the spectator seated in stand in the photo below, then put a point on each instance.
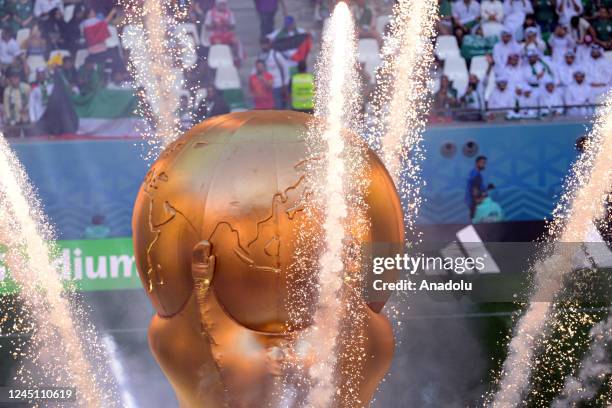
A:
(527, 101)
(550, 99)
(42, 8)
(473, 100)
(466, 15)
(564, 75)
(566, 9)
(598, 71)
(515, 12)
(532, 41)
(212, 105)
(578, 95)
(602, 28)
(20, 14)
(491, 11)
(15, 100)
(35, 44)
(220, 22)
(531, 22)
(560, 42)
(579, 28)
(39, 95)
(535, 69)
(504, 48)
(583, 51)
(445, 99)
(512, 71)
(9, 50)
(502, 100)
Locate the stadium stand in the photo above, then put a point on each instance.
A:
(225, 45)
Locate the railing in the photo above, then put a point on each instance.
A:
(511, 113)
(13, 131)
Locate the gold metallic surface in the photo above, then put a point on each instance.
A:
(214, 239)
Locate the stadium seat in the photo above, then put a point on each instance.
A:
(220, 56)
(227, 78)
(381, 23)
(113, 40)
(80, 58)
(22, 35)
(492, 29)
(455, 69)
(446, 46)
(35, 62)
(69, 12)
(479, 66)
(608, 55)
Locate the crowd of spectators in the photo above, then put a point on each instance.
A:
(82, 40)
(42, 38)
(543, 58)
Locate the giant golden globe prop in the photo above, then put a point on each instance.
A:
(216, 226)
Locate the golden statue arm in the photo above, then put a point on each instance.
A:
(202, 270)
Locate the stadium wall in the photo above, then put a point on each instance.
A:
(77, 179)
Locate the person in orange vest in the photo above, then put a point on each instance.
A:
(302, 90)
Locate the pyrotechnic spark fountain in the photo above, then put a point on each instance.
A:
(580, 206)
(60, 335)
(336, 102)
(593, 369)
(152, 62)
(127, 400)
(402, 98)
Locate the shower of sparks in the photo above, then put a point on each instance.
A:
(127, 400)
(63, 349)
(581, 205)
(402, 98)
(593, 370)
(338, 188)
(160, 51)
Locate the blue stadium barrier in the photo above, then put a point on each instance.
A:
(527, 162)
